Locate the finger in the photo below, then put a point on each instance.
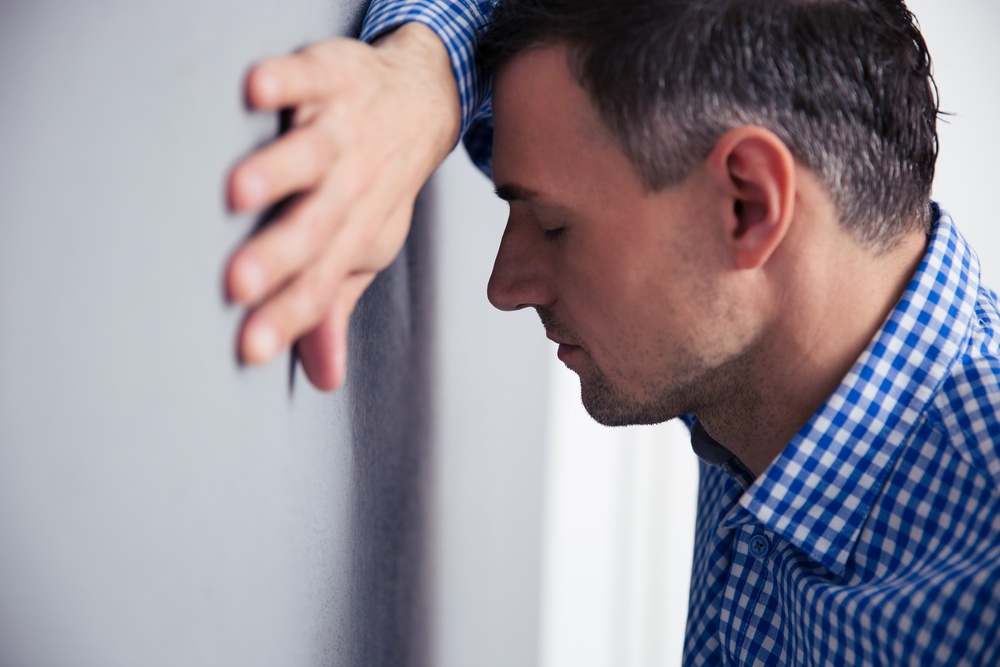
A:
(294, 162)
(286, 81)
(310, 75)
(374, 230)
(323, 351)
(316, 229)
(283, 249)
(294, 309)
(320, 353)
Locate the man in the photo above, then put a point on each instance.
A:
(721, 210)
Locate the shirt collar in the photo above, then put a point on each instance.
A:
(819, 491)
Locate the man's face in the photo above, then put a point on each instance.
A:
(624, 280)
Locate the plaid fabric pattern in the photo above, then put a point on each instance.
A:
(874, 538)
(457, 23)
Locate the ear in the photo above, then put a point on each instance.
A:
(756, 173)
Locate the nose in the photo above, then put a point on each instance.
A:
(521, 271)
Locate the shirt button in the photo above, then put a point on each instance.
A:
(759, 546)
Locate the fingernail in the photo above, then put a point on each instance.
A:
(261, 343)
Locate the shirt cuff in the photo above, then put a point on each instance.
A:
(479, 141)
(457, 23)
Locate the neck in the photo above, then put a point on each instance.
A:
(828, 306)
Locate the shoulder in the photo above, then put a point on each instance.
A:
(967, 405)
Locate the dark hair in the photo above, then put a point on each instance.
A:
(845, 84)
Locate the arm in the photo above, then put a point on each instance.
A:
(371, 123)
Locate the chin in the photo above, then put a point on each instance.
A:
(609, 406)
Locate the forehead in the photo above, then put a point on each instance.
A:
(538, 82)
(548, 135)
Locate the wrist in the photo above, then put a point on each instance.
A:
(420, 50)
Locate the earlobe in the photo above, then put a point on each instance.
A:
(756, 173)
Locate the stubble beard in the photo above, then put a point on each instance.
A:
(720, 391)
(693, 384)
(608, 405)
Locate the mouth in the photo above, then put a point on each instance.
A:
(566, 352)
(566, 349)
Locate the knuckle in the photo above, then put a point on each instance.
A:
(316, 153)
(284, 255)
(314, 67)
(313, 54)
(351, 184)
(313, 230)
(368, 237)
(313, 299)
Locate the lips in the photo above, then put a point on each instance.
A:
(566, 352)
(552, 337)
(559, 340)
(554, 332)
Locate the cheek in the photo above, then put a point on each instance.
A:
(628, 285)
(615, 287)
(617, 322)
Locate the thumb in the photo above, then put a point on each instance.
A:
(323, 351)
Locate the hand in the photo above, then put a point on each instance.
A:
(370, 124)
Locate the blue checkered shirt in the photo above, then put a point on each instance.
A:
(874, 538)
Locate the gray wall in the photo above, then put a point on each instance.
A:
(160, 505)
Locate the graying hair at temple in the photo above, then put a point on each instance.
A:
(845, 84)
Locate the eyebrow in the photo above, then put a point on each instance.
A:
(514, 192)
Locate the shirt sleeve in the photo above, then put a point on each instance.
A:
(457, 23)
